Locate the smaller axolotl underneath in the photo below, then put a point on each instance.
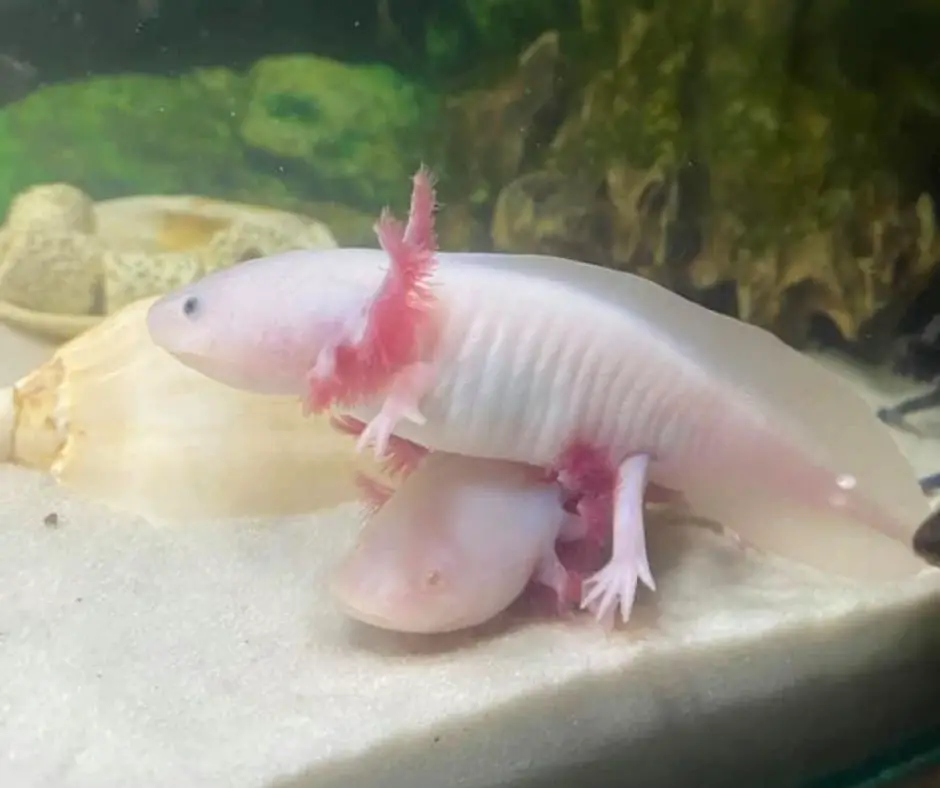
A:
(461, 538)
(455, 545)
(517, 357)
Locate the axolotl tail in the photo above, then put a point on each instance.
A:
(831, 541)
(793, 498)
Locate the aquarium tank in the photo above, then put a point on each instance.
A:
(773, 161)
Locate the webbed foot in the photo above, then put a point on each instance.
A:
(614, 586)
(401, 404)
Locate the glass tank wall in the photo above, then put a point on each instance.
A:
(775, 160)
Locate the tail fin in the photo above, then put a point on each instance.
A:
(827, 540)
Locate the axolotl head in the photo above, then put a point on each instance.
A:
(260, 325)
(453, 547)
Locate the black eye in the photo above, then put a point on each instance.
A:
(190, 306)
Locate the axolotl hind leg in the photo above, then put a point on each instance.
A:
(615, 584)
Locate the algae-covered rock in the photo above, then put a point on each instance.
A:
(464, 35)
(809, 213)
(770, 143)
(735, 144)
(633, 103)
(547, 213)
(350, 227)
(331, 132)
(488, 131)
(126, 134)
(354, 130)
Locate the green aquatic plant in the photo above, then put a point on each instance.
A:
(350, 132)
(295, 129)
(130, 134)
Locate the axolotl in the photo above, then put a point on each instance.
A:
(514, 357)
(462, 538)
(455, 544)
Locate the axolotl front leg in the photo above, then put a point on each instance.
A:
(401, 458)
(402, 402)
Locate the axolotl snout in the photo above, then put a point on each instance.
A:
(455, 545)
(514, 357)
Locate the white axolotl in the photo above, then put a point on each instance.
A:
(461, 538)
(515, 357)
(455, 544)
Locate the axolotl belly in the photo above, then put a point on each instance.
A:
(514, 357)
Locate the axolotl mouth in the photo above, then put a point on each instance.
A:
(202, 365)
(236, 376)
(199, 363)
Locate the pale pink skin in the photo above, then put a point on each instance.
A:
(455, 545)
(519, 357)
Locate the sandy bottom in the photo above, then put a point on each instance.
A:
(210, 655)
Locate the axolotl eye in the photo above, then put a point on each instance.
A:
(191, 306)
